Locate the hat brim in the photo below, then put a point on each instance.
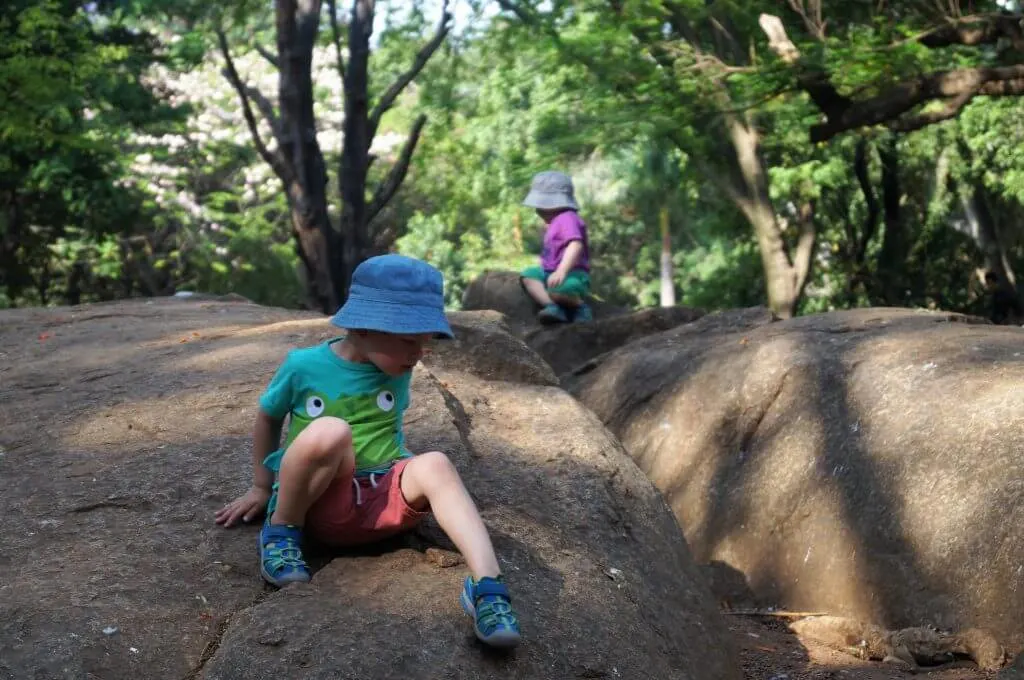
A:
(544, 200)
(400, 319)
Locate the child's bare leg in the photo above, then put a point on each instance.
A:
(430, 478)
(537, 291)
(569, 301)
(321, 452)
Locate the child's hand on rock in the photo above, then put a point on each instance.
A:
(245, 507)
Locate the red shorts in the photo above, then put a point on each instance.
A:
(340, 517)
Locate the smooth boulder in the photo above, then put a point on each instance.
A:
(124, 426)
(863, 463)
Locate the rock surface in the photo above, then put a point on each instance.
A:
(568, 346)
(124, 426)
(501, 291)
(864, 463)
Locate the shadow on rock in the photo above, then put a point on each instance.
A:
(124, 431)
(861, 463)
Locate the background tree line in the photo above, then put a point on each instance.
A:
(806, 154)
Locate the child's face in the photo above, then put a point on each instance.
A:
(392, 354)
(547, 214)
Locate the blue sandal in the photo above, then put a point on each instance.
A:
(281, 560)
(552, 314)
(488, 602)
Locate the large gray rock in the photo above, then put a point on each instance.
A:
(571, 346)
(124, 426)
(866, 463)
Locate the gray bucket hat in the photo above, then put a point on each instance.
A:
(551, 190)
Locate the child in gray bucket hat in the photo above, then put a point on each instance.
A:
(561, 283)
(343, 475)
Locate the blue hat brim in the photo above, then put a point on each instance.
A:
(398, 318)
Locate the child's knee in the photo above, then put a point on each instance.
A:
(435, 468)
(324, 440)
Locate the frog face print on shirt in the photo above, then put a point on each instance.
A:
(373, 419)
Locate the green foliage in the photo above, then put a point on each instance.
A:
(126, 167)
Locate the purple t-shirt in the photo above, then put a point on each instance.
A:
(562, 230)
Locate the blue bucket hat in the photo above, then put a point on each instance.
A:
(395, 294)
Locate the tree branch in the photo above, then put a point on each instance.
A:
(387, 99)
(956, 87)
(266, 109)
(387, 188)
(953, 107)
(274, 160)
(804, 255)
(522, 13)
(813, 81)
(860, 168)
(812, 21)
(332, 7)
(266, 54)
(984, 29)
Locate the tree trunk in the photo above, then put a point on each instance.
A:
(314, 245)
(298, 22)
(329, 256)
(980, 225)
(355, 156)
(785, 279)
(668, 289)
(893, 255)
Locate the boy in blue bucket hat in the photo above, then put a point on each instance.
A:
(343, 475)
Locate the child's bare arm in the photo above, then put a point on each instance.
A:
(266, 438)
(570, 257)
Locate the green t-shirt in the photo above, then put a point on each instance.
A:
(314, 382)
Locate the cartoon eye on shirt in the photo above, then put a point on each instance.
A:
(374, 418)
(385, 401)
(315, 406)
(348, 407)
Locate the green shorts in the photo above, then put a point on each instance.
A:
(576, 284)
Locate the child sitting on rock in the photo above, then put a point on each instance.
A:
(344, 475)
(561, 283)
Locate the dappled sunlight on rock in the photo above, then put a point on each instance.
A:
(124, 436)
(864, 462)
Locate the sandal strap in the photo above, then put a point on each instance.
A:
(490, 586)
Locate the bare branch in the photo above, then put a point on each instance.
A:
(274, 160)
(332, 6)
(813, 81)
(387, 99)
(811, 17)
(387, 188)
(266, 54)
